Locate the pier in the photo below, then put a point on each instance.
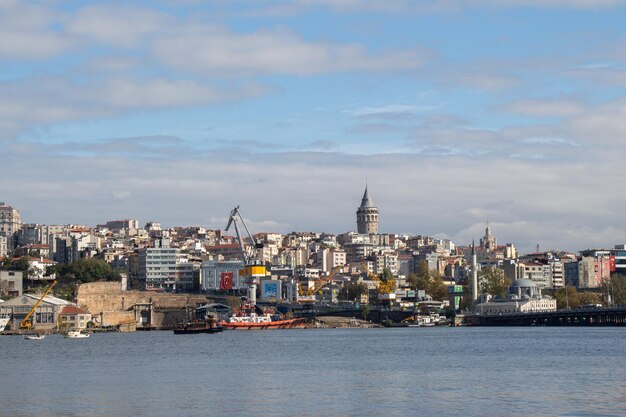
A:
(610, 316)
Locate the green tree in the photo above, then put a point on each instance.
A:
(16, 264)
(616, 288)
(567, 297)
(429, 281)
(590, 298)
(353, 291)
(84, 270)
(492, 281)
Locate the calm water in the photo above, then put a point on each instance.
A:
(532, 371)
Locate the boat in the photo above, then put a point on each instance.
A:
(34, 336)
(208, 325)
(76, 334)
(250, 320)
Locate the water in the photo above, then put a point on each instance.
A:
(526, 371)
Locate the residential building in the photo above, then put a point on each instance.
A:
(10, 223)
(11, 283)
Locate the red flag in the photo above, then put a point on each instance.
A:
(226, 281)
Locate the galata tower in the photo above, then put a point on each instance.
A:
(367, 216)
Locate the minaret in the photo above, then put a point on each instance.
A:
(474, 275)
(367, 216)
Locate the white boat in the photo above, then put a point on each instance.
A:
(4, 320)
(76, 334)
(34, 336)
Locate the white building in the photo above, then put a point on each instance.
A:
(214, 274)
(162, 268)
(10, 223)
(524, 297)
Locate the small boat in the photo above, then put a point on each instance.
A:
(208, 325)
(76, 334)
(34, 336)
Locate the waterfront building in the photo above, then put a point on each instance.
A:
(45, 316)
(367, 215)
(524, 297)
(221, 275)
(73, 317)
(10, 223)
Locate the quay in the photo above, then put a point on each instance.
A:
(611, 316)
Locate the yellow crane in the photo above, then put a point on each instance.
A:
(27, 323)
(318, 285)
(386, 288)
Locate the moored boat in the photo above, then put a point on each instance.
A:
(34, 336)
(208, 325)
(76, 334)
(264, 322)
(250, 320)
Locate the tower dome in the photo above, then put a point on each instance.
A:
(367, 215)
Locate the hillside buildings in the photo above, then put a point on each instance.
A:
(194, 258)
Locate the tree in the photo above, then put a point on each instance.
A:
(616, 288)
(353, 291)
(589, 298)
(492, 281)
(567, 297)
(429, 281)
(84, 270)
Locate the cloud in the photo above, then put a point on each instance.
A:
(319, 191)
(202, 48)
(392, 111)
(546, 107)
(42, 101)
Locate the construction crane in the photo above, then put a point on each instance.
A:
(320, 283)
(386, 288)
(248, 255)
(27, 323)
(253, 270)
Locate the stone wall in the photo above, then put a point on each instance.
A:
(97, 297)
(112, 307)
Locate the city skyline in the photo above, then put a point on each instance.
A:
(456, 114)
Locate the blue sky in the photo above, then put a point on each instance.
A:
(458, 113)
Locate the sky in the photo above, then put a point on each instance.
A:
(457, 114)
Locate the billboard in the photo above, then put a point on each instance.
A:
(271, 290)
(226, 281)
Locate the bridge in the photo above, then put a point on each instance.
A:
(609, 316)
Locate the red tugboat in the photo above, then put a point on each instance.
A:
(250, 320)
(208, 325)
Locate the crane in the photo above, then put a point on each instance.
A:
(320, 283)
(247, 254)
(26, 323)
(385, 287)
(253, 270)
